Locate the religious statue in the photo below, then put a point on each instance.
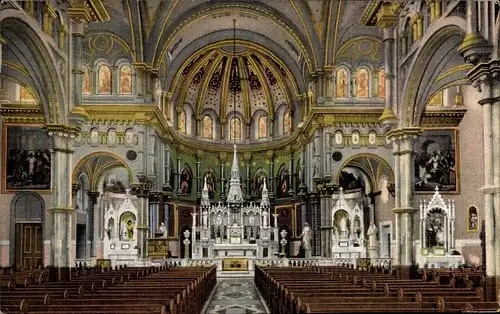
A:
(344, 231)
(128, 230)
(194, 219)
(162, 230)
(186, 242)
(372, 235)
(219, 220)
(250, 219)
(265, 215)
(306, 240)
(205, 218)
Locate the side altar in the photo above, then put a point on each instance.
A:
(234, 233)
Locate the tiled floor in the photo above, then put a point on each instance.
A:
(236, 296)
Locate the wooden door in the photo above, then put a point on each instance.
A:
(29, 245)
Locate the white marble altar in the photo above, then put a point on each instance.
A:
(348, 230)
(437, 234)
(120, 228)
(234, 229)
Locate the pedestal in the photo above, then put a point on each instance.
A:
(373, 253)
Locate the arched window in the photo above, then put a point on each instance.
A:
(262, 127)
(208, 127)
(287, 122)
(86, 82)
(381, 83)
(104, 80)
(126, 80)
(181, 122)
(342, 83)
(235, 129)
(362, 83)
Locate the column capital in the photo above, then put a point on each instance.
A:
(94, 195)
(87, 11)
(485, 76)
(142, 189)
(154, 197)
(381, 13)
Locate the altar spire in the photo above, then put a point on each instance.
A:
(235, 194)
(205, 199)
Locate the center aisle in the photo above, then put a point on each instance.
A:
(235, 296)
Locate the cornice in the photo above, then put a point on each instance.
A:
(22, 113)
(443, 117)
(152, 116)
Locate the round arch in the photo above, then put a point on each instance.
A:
(34, 54)
(96, 164)
(245, 38)
(373, 165)
(306, 43)
(440, 46)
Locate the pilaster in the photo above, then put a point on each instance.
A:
(96, 244)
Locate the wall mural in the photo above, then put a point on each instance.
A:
(27, 160)
(211, 177)
(436, 161)
(258, 182)
(186, 179)
(283, 181)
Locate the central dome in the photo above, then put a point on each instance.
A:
(240, 95)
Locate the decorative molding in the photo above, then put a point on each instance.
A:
(443, 117)
(22, 113)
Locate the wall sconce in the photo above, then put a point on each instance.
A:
(391, 187)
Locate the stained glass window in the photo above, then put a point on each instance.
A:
(341, 90)
(181, 122)
(104, 80)
(362, 83)
(126, 80)
(235, 129)
(208, 127)
(287, 123)
(381, 83)
(86, 82)
(262, 128)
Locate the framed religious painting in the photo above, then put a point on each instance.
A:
(26, 161)
(437, 161)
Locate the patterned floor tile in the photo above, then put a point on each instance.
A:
(236, 296)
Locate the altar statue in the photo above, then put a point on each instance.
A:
(306, 240)
(372, 235)
(219, 220)
(205, 218)
(344, 231)
(265, 214)
(162, 230)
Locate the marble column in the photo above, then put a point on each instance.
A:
(291, 173)
(142, 190)
(168, 171)
(154, 213)
(95, 220)
(403, 141)
(63, 239)
(488, 86)
(77, 37)
(178, 176)
(222, 181)
(199, 180)
(271, 179)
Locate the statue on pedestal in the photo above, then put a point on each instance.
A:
(265, 214)
(162, 231)
(306, 240)
(372, 235)
(186, 242)
(205, 218)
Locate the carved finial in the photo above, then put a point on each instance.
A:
(436, 189)
(341, 190)
(127, 191)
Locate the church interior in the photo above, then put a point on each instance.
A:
(249, 156)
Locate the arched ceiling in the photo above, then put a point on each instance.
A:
(308, 31)
(245, 81)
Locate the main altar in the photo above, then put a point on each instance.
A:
(234, 233)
